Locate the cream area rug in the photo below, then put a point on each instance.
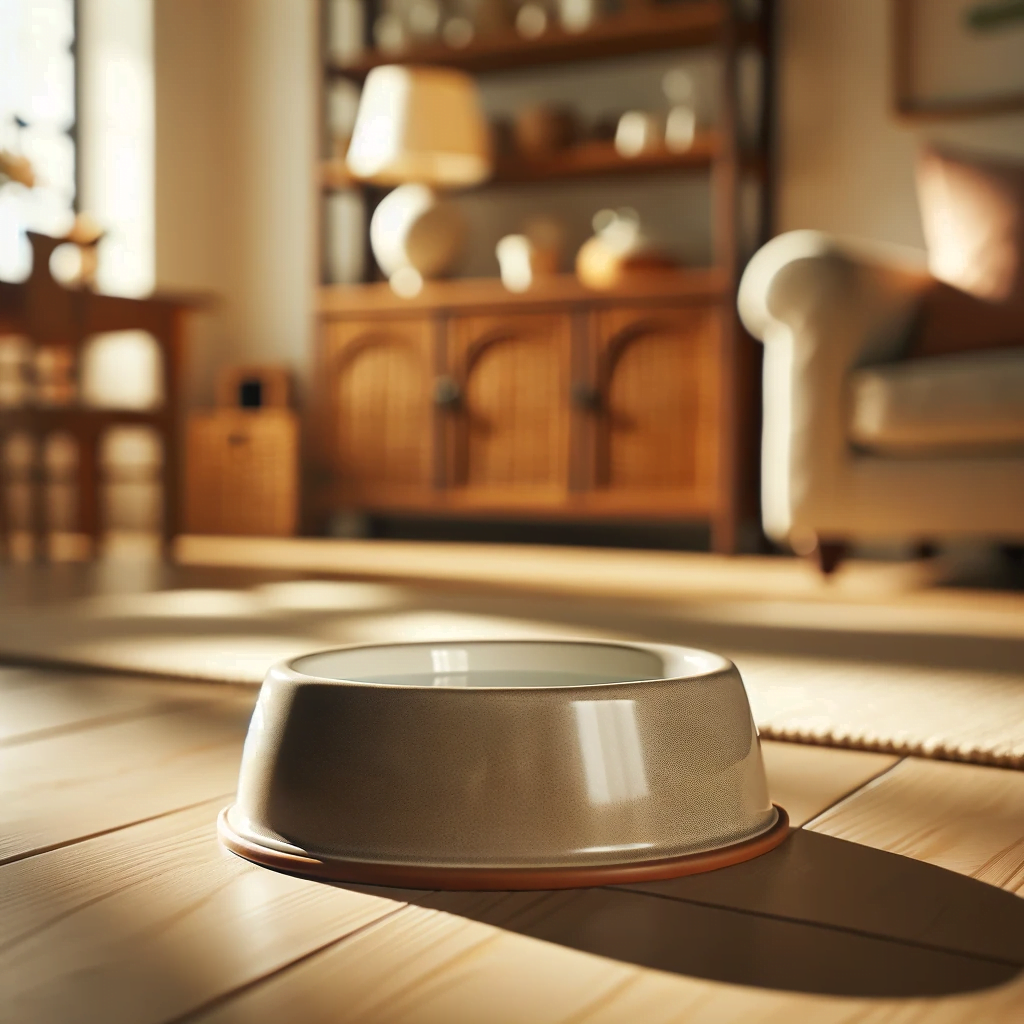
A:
(949, 696)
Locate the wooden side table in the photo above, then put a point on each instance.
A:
(58, 322)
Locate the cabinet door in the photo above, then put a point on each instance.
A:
(653, 437)
(379, 379)
(509, 433)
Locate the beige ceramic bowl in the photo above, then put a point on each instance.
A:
(502, 765)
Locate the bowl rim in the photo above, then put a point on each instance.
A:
(673, 656)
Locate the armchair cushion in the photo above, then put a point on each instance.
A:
(944, 405)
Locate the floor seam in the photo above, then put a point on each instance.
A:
(70, 728)
(852, 792)
(859, 932)
(27, 855)
(239, 990)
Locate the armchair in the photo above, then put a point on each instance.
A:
(859, 443)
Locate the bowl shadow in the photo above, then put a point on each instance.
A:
(817, 915)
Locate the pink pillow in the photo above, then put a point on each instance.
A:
(972, 211)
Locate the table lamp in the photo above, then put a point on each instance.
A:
(421, 128)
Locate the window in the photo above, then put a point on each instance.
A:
(38, 120)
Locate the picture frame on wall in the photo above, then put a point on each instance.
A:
(957, 58)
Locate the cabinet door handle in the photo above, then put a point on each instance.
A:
(586, 397)
(447, 393)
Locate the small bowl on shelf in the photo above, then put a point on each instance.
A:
(502, 765)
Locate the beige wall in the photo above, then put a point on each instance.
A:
(236, 88)
(193, 158)
(845, 164)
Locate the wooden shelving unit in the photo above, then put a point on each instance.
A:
(681, 25)
(699, 465)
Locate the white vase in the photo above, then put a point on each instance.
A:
(413, 228)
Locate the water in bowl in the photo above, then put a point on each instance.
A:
(507, 678)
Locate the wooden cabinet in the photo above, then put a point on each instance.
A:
(633, 404)
(553, 403)
(379, 375)
(651, 396)
(243, 472)
(509, 432)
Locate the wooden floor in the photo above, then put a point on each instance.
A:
(861, 595)
(118, 905)
(896, 899)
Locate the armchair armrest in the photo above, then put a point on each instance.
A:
(822, 306)
(803, 278)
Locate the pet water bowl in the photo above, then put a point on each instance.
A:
(502, 765)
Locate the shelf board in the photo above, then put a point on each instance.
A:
(488, 293)
(72, 417)
(601, 159)
(334, 174)
(594, 159)
(679, 25)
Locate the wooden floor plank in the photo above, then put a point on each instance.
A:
(968, 818)
(430, 968)
(731, 944)
(815, 878)
(806, 779)
(658, 999)
(35, 704)
(60, 789)
(154, 921)
(423, 970)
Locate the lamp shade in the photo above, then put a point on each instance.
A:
(420, 124)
